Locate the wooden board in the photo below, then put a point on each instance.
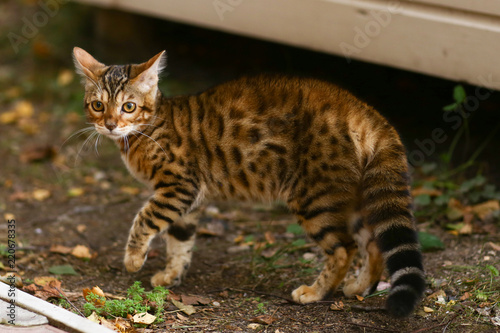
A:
(443, 38)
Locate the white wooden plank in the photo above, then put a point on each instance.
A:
(491, 7)
(51, 311)
(434, 40)
(22, 317)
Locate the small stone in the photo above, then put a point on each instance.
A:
(215, 303)
(238, 248)
(309, 256)
(212, 211)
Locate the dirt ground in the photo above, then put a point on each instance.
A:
(61, 192)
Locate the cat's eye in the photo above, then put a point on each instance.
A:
(98, 106)
(128, 107)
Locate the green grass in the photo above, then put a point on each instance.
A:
(137, 301)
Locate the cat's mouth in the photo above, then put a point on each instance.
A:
(115, 134)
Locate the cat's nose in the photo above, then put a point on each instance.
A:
(110, 125)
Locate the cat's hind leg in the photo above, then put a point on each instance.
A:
(336, 266)
(324, 222)
(180, 239)
(373, 266)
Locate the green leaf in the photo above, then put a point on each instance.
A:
(455, 226)
(445, 157)
(63, 270)
(295, 229)
(472, 183)
(249, 239)
(427, 168)
(450, 107)
(442, 199)
(299, 242)
(423, 200)
(430, 242)
(459, 94)
(493, 270)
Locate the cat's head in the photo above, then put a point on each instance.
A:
(119, 100)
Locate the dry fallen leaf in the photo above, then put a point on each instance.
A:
(239, 239)
(8, 117)
(96, 291)
(94, 317)
(130, 190)
(270, 237)
(44, 280)
(143, 318)
(65, 77)
(194, 300)
(264, 320)
(455, 209)
(81, 228)
(81, 251)
(254, 326)
(40, 194)
(465, 296)
(37, 153)
(75, 191)
(124, 326)
(269, 252)
(32, 288)
(360, 298)
(437, 294)
(107, 323)
(56, 248)
(212, 228)
(428, 310)
(337, 306)
(484, 209)
(45, 287)
(494, 246)
(466, 229)
(7, 279)
(19, 196)
(429, 191)
(187, 309)
(22, 109)
(181, 317)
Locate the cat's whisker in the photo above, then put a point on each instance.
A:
(96, 144)
(78, 133)
(89, 138)
(127, 145)
(152, 140)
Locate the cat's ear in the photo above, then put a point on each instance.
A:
(146, 75)
(85, 64)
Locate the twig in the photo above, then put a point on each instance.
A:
(437, 326)
(289, 300)
(372, 327)
(368, 308)
(67, 300)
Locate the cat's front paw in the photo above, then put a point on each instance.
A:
(166, 278)
(306, 294)
(134, 260)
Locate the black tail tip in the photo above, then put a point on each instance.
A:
(401, 303)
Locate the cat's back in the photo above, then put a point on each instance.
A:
(298, 108)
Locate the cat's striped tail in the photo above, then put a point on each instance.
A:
(387, 204)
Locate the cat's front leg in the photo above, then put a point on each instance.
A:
(169, 203)
(180, 239)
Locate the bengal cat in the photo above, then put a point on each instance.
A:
(337, 163)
